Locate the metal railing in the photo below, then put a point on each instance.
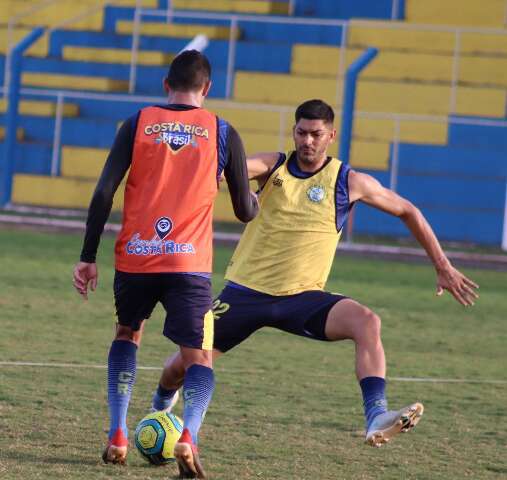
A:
(279, 129)
(235, 20)
(41, 5)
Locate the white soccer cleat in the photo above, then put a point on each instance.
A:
(389, 424)
(171, 405)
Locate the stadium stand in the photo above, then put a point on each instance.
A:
(278, 65)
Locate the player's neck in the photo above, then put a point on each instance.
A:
(311, 167)
(194, 99)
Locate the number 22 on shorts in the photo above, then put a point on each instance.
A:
(219, 308)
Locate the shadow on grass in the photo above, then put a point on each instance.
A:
(50, 460)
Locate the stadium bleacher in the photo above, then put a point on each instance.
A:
(278, 65)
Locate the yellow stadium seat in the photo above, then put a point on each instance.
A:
(374, 96)
(483, 70)
(252, 119)
(38, 49)
(41, 108)
(57, 191)
(74, 82)
(115, 55)
(392, 65)
(371, 155)
(238, 6)
(55, 14)
(175, 30)
(382, 35)
(62, 192)
(382, 130)
(488, 43)
(428, 99)
(282, 89)
(456, 12)
(80, 162)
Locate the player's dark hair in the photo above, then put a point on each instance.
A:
(315, 110)
(189, 71)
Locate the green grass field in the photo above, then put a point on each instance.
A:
(284, 407)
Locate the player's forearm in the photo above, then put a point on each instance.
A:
(422, 231)
(98, 213)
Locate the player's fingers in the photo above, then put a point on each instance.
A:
(457, 295)
(83, 292)
(470, 283)
(469, 291)
(78, 275)
(78, 283)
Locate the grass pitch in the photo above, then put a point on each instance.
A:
(284, 407)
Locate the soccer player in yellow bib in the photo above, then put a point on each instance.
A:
(278, 272)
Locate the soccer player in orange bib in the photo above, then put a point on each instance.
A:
(176, 154)
(277, 275)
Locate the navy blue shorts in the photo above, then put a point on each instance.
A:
(186, 300)
(239, 313)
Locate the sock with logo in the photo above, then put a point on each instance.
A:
(374, 398)
(162, 398)
(121, 376)
(198, 387)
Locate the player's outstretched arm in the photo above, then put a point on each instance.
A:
(260, 165)
(366, 189)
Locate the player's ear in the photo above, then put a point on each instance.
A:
(165, 85)
(206, 89)
(332, 136)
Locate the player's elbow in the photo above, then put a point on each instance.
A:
(408, 211)
(247, 214)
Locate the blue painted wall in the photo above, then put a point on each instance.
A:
(478, 137)
(460, 191)
(345, 9)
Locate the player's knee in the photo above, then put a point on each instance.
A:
(127, 334)
(192, 356)
(370, 324)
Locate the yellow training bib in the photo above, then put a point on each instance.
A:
(289, 247)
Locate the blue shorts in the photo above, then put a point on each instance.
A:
(240, 312)
(186, 300)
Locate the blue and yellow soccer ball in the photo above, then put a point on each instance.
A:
(155, 437)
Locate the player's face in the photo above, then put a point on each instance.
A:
(312, 139)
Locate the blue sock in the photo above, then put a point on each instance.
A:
(162, 397)
(121, 376)
(198, 387)
(374, 398)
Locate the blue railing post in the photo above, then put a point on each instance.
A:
(349, 97)
(11, 119)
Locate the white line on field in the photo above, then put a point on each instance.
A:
(392, 379)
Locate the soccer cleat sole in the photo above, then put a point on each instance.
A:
(115, 455)
(189, 464)
(407, 420)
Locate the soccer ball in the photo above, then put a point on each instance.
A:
(155, 437)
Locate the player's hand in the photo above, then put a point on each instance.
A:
(460, 287)
(85, 274)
